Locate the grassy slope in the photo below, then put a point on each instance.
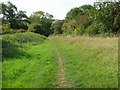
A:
(35, 71)
(34, 68)
(89, 62)
(12, 43)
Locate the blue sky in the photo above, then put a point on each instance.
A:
(58, 8)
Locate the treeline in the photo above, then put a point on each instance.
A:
(17, 21)
(102, 18)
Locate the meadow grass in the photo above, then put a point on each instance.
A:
(89, 62)
(36, 71)
(27, 62)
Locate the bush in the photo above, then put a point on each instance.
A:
(96, 28)
(23, 37)
(40, 29)
(77, 31)
(12, 43)
(6, 29)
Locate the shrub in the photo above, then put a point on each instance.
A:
(96, 28)
(6, 29)
(11, 43)
(23, 37)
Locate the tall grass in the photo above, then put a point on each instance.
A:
(89, 62)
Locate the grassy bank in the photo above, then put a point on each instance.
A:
(31, 65)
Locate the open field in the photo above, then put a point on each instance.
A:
(76, 47)
(89, 62)
(83, 62)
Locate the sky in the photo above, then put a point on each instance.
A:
(58, 8)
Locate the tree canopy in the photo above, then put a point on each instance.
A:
(40, 22)
(102, 18)
(17, 19)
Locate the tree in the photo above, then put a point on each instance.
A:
(9, 11)
(86, 8)
(41, 23)
(77, 19)
(22, 20)
(73, 13)
(105, 14)
(56, 27)
(116, 24)
(17, 19)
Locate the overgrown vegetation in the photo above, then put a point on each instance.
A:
(12, 43)
(102, 18)
(32, 57)
(41, 23)
(27, 61)
(87, 62)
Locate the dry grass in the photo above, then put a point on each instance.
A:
(90, 62)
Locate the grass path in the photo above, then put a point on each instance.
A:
(86, 63)
(61, 80)
(63, 62)
(36, 71)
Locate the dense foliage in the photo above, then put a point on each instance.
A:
(56, 27)
(17, 21)
(12, 42)
(30, 60)
(40, 23)
(102, 18)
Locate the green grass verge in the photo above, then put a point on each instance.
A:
(36, 71)
(28, 61)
